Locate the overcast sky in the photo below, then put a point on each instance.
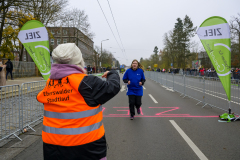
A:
(142, 23)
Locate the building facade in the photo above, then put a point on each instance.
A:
(62, 35)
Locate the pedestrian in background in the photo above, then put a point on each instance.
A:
(209, 72)
(237, 73)
(89, 69)
(9, 68)
(135, 79)
(72, 123)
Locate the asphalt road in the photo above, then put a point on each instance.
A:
(169, 127)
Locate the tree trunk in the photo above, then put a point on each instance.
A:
(21, 53)
(2, 23)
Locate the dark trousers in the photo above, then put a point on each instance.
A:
(134, 101)
(10, 74)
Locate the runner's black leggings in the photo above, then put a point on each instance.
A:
(134, 101)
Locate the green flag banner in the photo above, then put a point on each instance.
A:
(214, 34)
(34, 36)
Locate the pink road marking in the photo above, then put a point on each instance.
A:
(156, 115)
(171, 114)
(118, 115)
(128, 111)
(163, 107)
(103, 108)
(161, 113)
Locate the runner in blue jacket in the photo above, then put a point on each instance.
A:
(135, 78)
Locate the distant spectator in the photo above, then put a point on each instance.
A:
(9, 68)
(201, 71)
(237, 73)
(89, 69)
(2, 75)
(209, 72)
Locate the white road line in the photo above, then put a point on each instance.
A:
(123, 88)
(154, 100)
(143, 87)
(189, 141)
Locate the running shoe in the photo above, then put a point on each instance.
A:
(131, 117)
(138, 111)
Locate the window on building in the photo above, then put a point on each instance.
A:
(59, 32)
(52, 31)
(64, 40)
(58, 41)
(64, 32)
(52, 42)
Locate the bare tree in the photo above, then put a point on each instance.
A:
(235, 31)
(235, 28)
(76, 18)
(47, 11)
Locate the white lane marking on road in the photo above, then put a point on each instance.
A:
(154, 100)
(143, 87)
(123, 88)
(189, 141)
(168, 88)
(221, 121)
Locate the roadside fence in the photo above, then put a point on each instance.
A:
(208, 91)
(19, 108)
(234, 75)
(23, 69)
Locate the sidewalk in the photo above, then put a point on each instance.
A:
(23, 80)
(13, 148)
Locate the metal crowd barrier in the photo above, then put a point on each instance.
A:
(10, 111)
(31, 110)
(19, 108)
(206, 90)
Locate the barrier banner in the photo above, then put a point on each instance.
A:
(214, 34)
(34, 36)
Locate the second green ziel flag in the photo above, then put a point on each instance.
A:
(214, 34)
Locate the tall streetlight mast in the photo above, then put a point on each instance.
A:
(101, 46)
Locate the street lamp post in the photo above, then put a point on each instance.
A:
(101, 48)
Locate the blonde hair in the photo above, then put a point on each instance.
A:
(81, 65)
(139, 65)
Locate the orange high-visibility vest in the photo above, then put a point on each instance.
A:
(68, 120)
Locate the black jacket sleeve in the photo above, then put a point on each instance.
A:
(143, 81)
(125, 80)
(95, 91)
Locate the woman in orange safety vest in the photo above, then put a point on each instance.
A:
(72, 123)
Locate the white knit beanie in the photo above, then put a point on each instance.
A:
(67, 53)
